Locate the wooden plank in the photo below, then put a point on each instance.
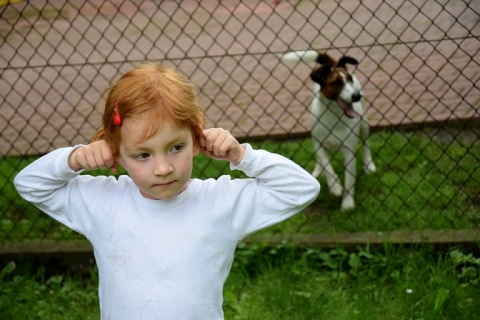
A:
(46, 247)
(468, 236)
(394, 237)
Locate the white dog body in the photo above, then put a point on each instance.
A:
(338, 121)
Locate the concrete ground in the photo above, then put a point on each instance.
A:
(418, 65)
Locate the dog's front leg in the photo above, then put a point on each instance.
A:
(350, 161)
(323, 167)
(368, 164)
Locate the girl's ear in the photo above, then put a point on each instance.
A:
(197, 134)
(118, 158)
(196, 147)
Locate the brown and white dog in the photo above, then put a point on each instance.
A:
(338, 120)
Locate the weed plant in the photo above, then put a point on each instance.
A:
(286, 282)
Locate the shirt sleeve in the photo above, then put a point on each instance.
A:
(53, 187)
(278, 189)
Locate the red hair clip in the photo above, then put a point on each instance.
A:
(117, 120)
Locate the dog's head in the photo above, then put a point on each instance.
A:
(337, 84)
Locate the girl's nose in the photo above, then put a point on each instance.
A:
(162, 167)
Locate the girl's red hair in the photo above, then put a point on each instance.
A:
(164, 93)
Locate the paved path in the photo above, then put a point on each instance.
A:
(418, 65)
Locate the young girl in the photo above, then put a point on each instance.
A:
(163, 242)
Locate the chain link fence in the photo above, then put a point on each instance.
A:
(419, 66)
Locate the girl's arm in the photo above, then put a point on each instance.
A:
(279, 188)
(38, 181)
(55, 188)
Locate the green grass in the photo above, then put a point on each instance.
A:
(286, 282)
(421, 183)
(31, 292)
(390, 283)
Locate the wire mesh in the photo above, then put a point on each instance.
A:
(419, 67)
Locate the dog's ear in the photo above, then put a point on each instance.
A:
(325, 60)
(319, 75)
(344, 60)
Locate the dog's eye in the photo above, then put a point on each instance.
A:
(337, 82)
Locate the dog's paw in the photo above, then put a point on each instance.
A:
(370, 168)
(347, 204)
(336, 189)
(317, 171)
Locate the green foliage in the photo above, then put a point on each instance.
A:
(28, 294)
(286, 282)
(440, 298)
(382, 283)
(467, 265)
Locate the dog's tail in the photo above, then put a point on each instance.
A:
(297, 56)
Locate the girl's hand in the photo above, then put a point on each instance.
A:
(219, 144)
(96, 155)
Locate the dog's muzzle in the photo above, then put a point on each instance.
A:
(357, 96)
(347, 107)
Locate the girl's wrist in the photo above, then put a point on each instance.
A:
(71, 160)
(239, 158)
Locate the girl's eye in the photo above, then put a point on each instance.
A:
(141, 156)
(176, 148)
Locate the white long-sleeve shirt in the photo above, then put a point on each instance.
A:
(167, 259)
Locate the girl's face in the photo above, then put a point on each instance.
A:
(161, 166)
